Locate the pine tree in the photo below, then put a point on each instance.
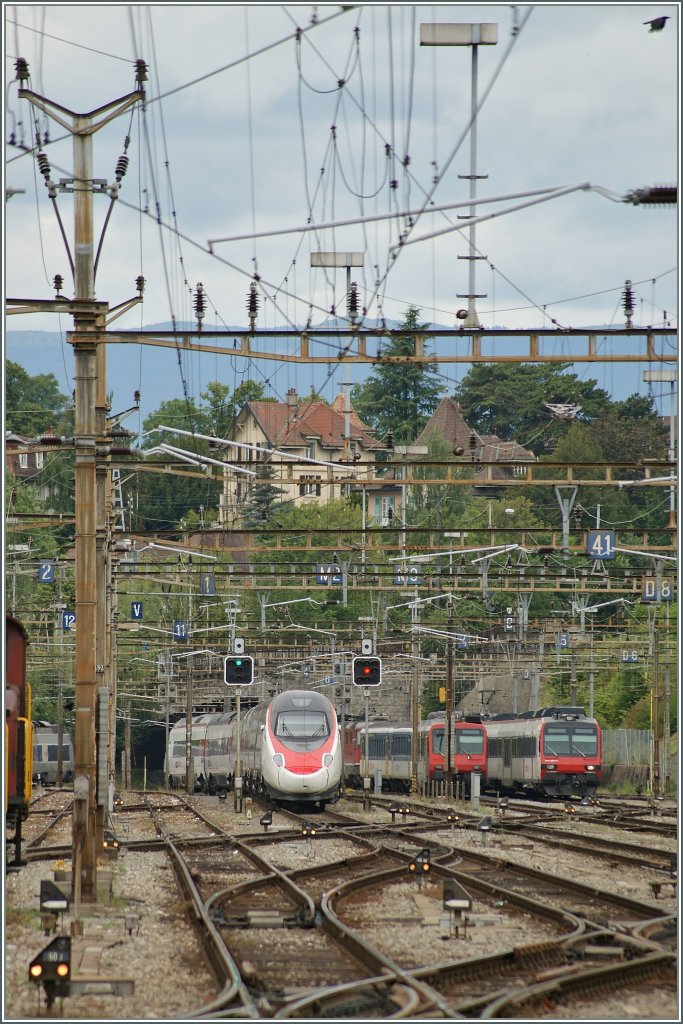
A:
(399, 398)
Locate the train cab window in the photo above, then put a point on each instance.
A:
(469, 741)
(556, 741)
(584, 739)
(301, 725)
(438, 741)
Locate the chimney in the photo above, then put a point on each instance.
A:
(292, 399)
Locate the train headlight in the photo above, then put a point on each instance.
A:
(278, 760)
(551, 767)
(590, 767)
(327, 760)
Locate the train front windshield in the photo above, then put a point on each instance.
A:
(302, 726)
(469, 741)
(463, 741)
(562, 740)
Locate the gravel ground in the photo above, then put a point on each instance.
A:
(164, 958)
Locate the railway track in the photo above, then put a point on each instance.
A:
(280, 913)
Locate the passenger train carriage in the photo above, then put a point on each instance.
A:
(556, 751)
(390, 751)
(290, 749)
(46, 754)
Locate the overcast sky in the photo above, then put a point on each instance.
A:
(296, 133)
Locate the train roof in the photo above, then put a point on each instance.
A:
(556, 711)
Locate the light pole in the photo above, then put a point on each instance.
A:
(474, 35)
(668, 377)
(332, 260)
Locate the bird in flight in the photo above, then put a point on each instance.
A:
(657, 24)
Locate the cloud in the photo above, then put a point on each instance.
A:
(586, 95)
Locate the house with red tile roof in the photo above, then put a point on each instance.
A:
(319, 452)
(508, 458)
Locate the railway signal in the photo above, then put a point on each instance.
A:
(420, 866)
(52, 968)
(239, 671)
(367, 671)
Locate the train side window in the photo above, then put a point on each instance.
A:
(400, 746)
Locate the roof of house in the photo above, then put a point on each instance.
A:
(292, 425)
(448, 421)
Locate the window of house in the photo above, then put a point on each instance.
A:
(310, 485)
(310, 450)
(519, 470)
(382, 506)
(39, 460)
(23, 460)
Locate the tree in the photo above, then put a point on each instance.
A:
(222, 409)
(509, 401)
(32, 404)
(261, 501)
(399, 397)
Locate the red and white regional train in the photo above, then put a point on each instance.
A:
(290, 749)
(390, 751)
(556, 751)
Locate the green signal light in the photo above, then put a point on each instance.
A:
(238, 662)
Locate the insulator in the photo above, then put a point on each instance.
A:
(627, 303)
(21, 66)
(43, 165)
(140, 71)
(658, 195)
(121, 167)
(58, 283)
(199, 302)
(136, 397)
(252, 304)
(353, 301)
(473, 441)
(140, 284)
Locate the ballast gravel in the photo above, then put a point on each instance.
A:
(161, 952)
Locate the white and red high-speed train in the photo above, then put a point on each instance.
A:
(290, 749)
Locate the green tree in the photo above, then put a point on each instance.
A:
(181, 413)
(509, 401)
(399, 397)
(262, 501)
(223, 408)
(32, 404)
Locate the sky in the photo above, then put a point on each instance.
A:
(247, 130)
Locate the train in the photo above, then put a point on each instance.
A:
(390, 751)
(556, 751)
(46, 755)
(290, 750)
(18, 735)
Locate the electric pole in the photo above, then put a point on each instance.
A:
(87, 338)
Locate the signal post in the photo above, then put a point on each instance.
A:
(367, 671)
(238, 671)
